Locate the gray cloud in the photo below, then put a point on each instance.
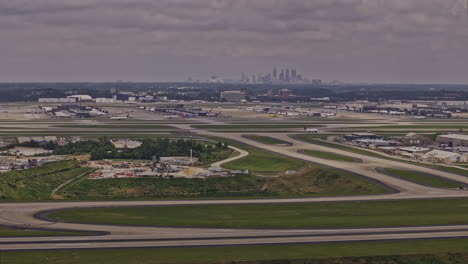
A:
(323, 38)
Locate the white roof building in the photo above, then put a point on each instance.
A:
(444, 156)
(23, 139)
(415, 149)
(50, 138)
(81, 97)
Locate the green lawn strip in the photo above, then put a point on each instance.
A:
(394, 252)
(303, 215)
(430, 133)
(266, 140)
(123, 134)
(432, 126)
(16, 232)
(310, 182)
(448, 169)
(432, 121)
(389, 133)
(313, 140)
(37, 183)
(75, 132)
(422, 178)
(256, 131)
(328, 155)
(120, 126)
(259, 160)
(149, 122)
(304, 121)
(16, 128)
(254, 126)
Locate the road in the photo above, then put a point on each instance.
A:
(24, 214)
(242, 154)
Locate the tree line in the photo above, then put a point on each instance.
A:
(103, 148)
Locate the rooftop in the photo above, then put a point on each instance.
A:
(364, 134)
(455, 136)
(441, 154)
(414, 149)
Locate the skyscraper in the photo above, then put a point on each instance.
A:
(288, 77)
(245, 78)
(281, 76)
(293, 75)
(275, 73)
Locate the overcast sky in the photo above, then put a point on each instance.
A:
(164, 40)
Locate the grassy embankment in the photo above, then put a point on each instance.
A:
(90, 134)
(410, 252)
(422, 178)
(312, 181)
(309, 182)
(37, 183)
(302, 215)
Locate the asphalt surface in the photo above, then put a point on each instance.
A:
(24, 215)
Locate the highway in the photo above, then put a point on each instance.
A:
(25, 215)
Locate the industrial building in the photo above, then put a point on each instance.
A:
(58, 100)
(444, 156)
(233, 96)
(413, 139)
(453, 140)
(365, 135)
(179, 160)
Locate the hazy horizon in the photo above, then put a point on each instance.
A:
(356, 41)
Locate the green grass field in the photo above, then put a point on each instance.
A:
(94, 134)
(13, 232)
(313, 181)
(423, 178)
(305, 121)
(255, 127)
(447, 251)
(260, 161)
(422, 126)
(37, 183)
(450, 169)
(120, 126)
(307, 215)
(328, 155)
(267, 140)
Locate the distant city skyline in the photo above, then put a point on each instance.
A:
(378, 41)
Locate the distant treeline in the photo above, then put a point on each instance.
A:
(161, 147)
(14, 92)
